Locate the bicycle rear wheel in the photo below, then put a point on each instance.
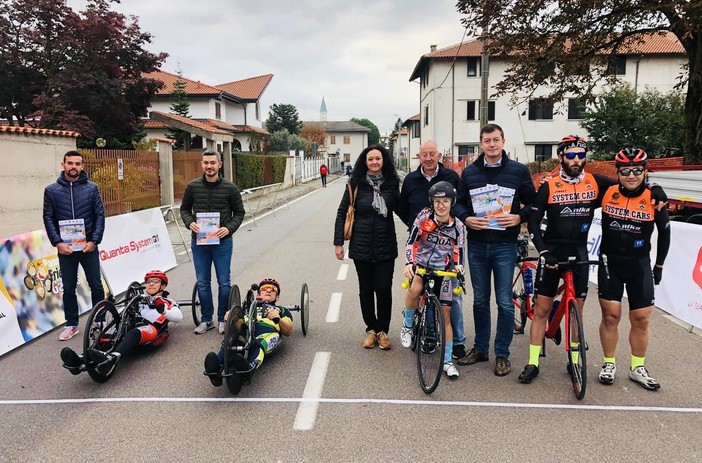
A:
(576, 349)
(431, 345)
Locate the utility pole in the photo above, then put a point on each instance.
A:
(484, 74)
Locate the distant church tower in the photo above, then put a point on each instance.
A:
(323, 111)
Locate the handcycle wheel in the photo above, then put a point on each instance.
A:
(304, 308)
(234, 297)
(430, 355)
(197, 310)
(232, 339)
(101, 333)
(520, 297)
(133, 291)
(576, 349)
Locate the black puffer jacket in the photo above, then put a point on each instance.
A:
(66, 200)
(373, 238)
(221, 196)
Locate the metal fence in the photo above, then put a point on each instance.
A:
(128, 179)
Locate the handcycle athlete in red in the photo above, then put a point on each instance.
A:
(569, 200)
(628, 218)
(154, 318)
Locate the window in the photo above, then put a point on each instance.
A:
(426, 115)
(332, 139)
(579, 69)
(542, 152)
(218, 111)
(473, 66)
(473, 113)
(258, 111)
(347, 139)
(540, 109)
(617, 65)
(576, 108)
(415, 130)
(465, 150)
(425, 79)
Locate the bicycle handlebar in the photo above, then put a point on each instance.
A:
(439, 273)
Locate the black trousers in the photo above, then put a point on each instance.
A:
(375, 282)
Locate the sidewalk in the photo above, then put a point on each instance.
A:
(255, 205)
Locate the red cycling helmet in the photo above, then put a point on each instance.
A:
(156, 274)
(571, 141)
(269, 281)
(631, 157)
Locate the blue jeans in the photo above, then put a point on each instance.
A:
(459, 337)
(90, 261)
(203, 257)
(484, 260)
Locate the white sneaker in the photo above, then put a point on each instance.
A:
(641, 376)
(406, 336)
(221, 327)
(607, 373)
(204, 327)
(451, 370)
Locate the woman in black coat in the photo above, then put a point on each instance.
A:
(373, 244)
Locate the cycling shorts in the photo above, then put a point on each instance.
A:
(548, 286)
(635, 274)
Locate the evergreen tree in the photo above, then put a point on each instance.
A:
(181, 107)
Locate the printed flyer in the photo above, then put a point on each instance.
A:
(73, 233)
(208, 223)
(490, 201)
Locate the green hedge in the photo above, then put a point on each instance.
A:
(249, 169)
(546, 166)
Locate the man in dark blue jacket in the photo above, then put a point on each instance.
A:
(492, 239)
(74, 218)
(414, 197)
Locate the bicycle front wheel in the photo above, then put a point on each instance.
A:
(520, 297)
(431, 345)
(576, 347)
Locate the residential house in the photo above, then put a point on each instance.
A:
(233, 108)
(411, 147)
(450, 107)
(345, 138)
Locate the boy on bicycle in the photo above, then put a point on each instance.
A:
(274, 321)
(435, 241)
(154, 315)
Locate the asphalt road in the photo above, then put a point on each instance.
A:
(324, 398)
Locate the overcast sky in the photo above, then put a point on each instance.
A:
(358, 54)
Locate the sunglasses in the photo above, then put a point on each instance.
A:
(570, 155)
(268, 288)
(636, 171)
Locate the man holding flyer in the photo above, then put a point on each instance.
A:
(495, 197)
(213, 210)
(74, 218)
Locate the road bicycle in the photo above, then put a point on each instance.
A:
(428, 333)
(567, 309)
(523, 285)
(239, 335)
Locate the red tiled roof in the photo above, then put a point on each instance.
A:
(191, 122)
(248, 89)
(32, 131)
(163, 139)
(149, 124)
(235, 128)
(191, 86)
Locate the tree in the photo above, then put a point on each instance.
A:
(374, 136)
(181, 107)
(80, 72)
(283, 116)
(282, 140)
(621, 117)
(555, 40)
(315, 134)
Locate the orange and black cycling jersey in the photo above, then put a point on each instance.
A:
(628, 218)
(569, 208)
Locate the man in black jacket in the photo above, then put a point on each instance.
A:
(492, 242)
(74, 218)
(414, 197)
(213, 210)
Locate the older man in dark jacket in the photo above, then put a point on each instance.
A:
(74, 202)
(414, 197)
(216, 197)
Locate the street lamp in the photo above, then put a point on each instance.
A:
(398, 127)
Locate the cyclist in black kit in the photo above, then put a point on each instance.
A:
(628, 219)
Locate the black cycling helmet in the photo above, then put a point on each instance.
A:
(571, 141)
(631, 157)
(269, 281)
(443, 189)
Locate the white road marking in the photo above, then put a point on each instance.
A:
(334, 307)
(343, 272)
(303, 400)
(307, 411)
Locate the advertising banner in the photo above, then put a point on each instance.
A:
(31, 291)
(132, 245)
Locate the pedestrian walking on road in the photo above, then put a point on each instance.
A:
(373, 244)
(73, 208)
(213, 210)
(323, 171)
